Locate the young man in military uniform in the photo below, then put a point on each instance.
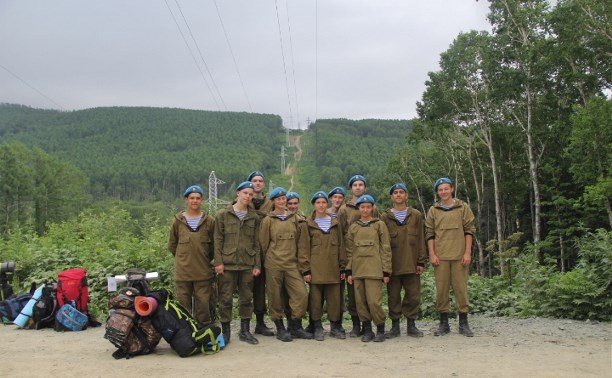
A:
(407, 233)
(368, 254)
(347, 215)
(449, 231)
(262, 205)
(237, 260)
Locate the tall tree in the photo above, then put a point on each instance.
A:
(519, 31)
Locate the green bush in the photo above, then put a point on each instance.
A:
(104, 244)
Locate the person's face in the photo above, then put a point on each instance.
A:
(358, 188)
(194, 201)
(337, 200)
(293, 204)
(445, 192)
(280, 202)
(258, 183)
(245, 196)
(366, 210)
(399, 196)
(320, 205)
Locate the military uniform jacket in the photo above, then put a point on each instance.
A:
(237, 241)
(407, 241)
(323, 253)
(368, 250)
(279, 241)
(448, 228)
(192, 250)
(348, 213)
(262, 206)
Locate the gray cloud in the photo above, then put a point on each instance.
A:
(366, 59)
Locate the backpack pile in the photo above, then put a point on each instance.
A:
(131, 333)
(72, 299)
(184, 334)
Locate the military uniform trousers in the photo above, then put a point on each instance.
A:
(450, 273)
(330, 293)
(368, 298)
(195, 297)
(228, 281)
(409, 306)
(259, 293)
(349, 302)
(292, 281)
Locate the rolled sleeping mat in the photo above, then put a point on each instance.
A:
(26, 314)
(145, 306)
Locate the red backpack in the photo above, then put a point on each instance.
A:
(72, 289)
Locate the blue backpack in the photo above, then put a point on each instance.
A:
(11, 307)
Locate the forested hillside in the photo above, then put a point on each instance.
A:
(148, 153)
(335, 150)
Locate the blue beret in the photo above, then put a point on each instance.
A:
(357, 178)
(292, 195)
(366, 198)
(255, 173)
(317, 195)
(278, 192)
(399, 185)
(337, 190)
(442, 180)
(193, 189)
(244, 185)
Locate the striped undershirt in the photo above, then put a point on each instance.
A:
(324, 223)
(400, 215)
(240, 214)
(193, 222)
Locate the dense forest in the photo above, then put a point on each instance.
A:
(519, 117)
(138, 154)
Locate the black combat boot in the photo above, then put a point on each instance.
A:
(261, 327)
(395, 329)
(443, 327)
(318, 330)
(368, 335)
(297, 331)
(356, 331)
(311, 327)
(380, 333)
(464, 327)
(413, 330)
(336, 330)
(245, 332)
(226, 330)
(281, 333)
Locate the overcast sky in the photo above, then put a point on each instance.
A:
(337, 59)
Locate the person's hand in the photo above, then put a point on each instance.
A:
(435, 261)
(342, 276)
(219, 269)
(385, 280)
(256, 272)
(467, 258)
(419, 270)
(349, 279)
(308, 278)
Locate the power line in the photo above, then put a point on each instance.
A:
(200, 53)
(280, 34)
(193, 56)
(233, 57)
(32, 87)
(297, 107)
(316, 59)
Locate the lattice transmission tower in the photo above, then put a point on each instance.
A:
(213, 200)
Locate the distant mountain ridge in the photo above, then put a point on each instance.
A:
(143, 153)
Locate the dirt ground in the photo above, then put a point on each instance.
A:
(501, 347)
